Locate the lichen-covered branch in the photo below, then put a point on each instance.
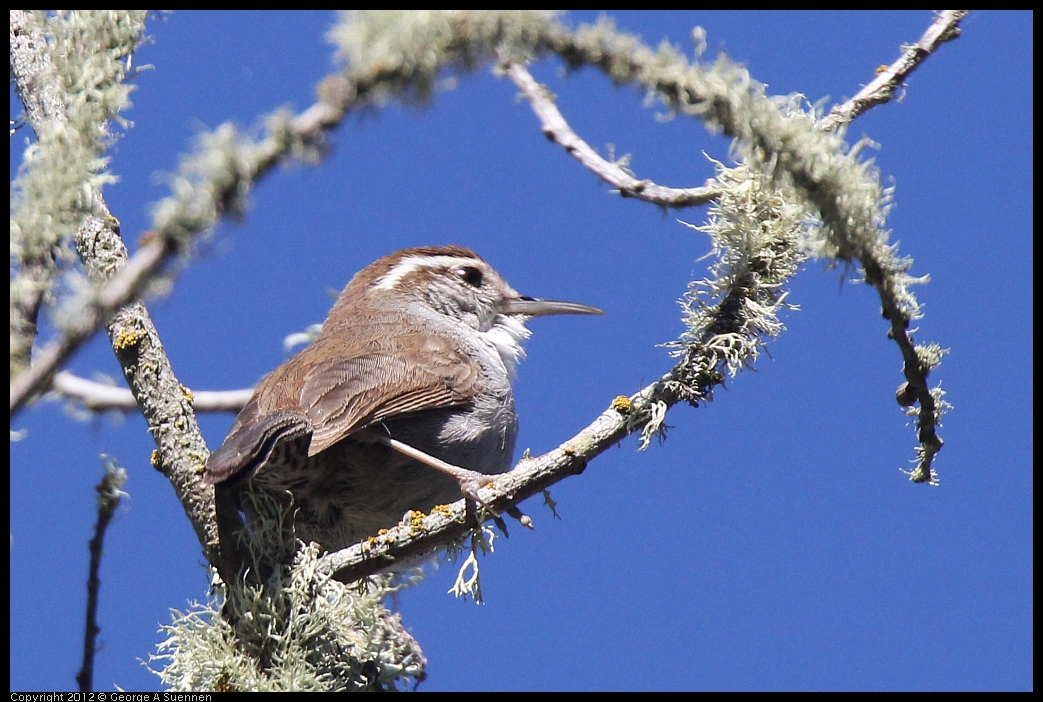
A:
(756, 232)
(76, 60)
(793, 168)
(420, 534)
(805, 160)
(30, 66)
(301, 631)
(68, 71)
(760, 223)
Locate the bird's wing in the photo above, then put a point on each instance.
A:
(416, 372)
(251, 441)
(342, 391)
(272, 416)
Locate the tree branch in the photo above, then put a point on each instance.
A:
(181, 448)
(99, 397)
(944, 28)
(123, 287)
(420, 534)
(34, 82)
(109, 494)
(201, 197)
(845, 192)
(558, 130)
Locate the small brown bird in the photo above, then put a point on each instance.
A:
(403, 402)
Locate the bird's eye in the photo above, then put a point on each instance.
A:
(470, 275)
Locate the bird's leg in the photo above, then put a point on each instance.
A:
(469, 480)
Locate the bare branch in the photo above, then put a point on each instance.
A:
(558, 130)
(881, 89)
(109, 494)
(99, 397)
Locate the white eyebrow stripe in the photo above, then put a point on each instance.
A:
(407, 265)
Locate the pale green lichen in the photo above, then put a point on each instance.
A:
(468, 581)
(755, 235)
(89, 57)
(400, 53)
(301, 631)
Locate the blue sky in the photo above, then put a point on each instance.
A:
(771, 542)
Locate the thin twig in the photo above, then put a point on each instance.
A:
(881, 89)
(99, 397)
(557, 129)
(109, 494)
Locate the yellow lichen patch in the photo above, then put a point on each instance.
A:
(622, 404)
(127, 338)
(187, 393)
(199, 461)
(415, 519)
(154, 458)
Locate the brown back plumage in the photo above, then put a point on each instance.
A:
(331, 390)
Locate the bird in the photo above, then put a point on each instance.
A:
(403, 402)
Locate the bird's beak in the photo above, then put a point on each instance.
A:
(532, 307)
